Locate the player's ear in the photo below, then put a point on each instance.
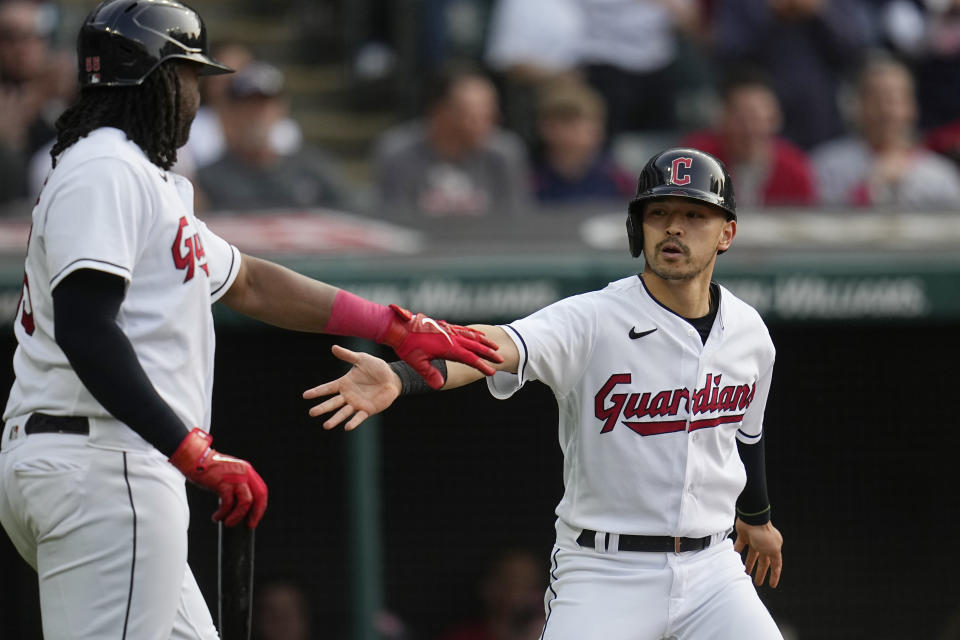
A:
(727, 234)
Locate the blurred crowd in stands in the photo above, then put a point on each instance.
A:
(528, 105)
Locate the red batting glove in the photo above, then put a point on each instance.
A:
(241, 489)
(418, 339)
(472, 334)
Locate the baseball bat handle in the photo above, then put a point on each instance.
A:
(235, 585)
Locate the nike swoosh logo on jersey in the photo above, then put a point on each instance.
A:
(634, 334)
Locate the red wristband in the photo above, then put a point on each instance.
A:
(352, 315)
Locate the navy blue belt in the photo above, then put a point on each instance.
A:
(657, 544)
(43, 423)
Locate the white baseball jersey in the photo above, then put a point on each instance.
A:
(140, 226)
(649, 415)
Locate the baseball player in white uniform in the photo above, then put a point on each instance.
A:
(110, 409)
(661, 381)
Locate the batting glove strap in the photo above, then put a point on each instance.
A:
(402, 323)
(191, 451)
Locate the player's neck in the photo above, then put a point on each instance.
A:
(687, 298)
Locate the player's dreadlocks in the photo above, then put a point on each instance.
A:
(149, 113)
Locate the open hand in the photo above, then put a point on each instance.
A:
(369, 387)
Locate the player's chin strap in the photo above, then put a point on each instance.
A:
(411, 382)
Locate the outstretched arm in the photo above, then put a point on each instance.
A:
(459, 375)
(371, 385)
(281, 297)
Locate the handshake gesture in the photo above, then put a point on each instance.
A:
(418, 339)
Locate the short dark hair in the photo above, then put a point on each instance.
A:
(148, 113)
(442, 82)
(744, 76)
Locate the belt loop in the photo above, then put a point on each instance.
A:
(600, 541)
(613, 542)
(676, 545)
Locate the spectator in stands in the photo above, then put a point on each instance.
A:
(253, 174)
(630, 50)
(456, 161)
(884, 165)
(452, 30)
(574, 167)
(511, 592)
(531, 44)
(805, 46)
(207, 143)
(926, 35)
(767, 170)
(945, 140)
(281, 610)
(36, 82)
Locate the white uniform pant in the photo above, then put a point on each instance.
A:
(106, 531)
(629, 595)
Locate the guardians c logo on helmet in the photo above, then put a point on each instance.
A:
(679, 173)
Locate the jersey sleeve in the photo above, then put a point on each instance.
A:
(752, 426)
(95, 220)
(554, 344)
(223, 260)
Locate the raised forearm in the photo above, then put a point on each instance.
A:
(276, 295)
(459, 375)
(456, 374)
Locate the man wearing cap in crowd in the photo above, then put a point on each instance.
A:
(261, 167)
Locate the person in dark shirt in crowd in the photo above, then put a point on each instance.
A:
(574, 166)
(807, 47)
(456, 162)
(36, 82)
(767, 169)
(254, 173)
(511, 591)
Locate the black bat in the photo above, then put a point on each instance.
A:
(235, 583)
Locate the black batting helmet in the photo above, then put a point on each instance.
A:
(679, 173)
(122, 41)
